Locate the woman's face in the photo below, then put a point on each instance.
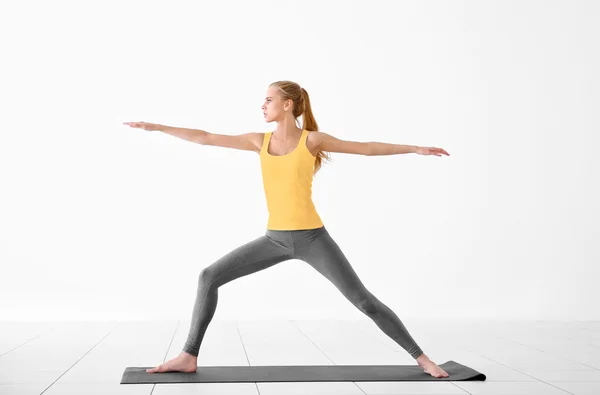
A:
(273, 106)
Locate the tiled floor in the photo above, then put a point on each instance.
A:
(518, 357)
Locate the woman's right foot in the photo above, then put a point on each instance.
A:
(184, 362)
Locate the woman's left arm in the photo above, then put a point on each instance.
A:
(329, 143)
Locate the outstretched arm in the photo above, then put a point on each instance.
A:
(326, 142)
(246, 141)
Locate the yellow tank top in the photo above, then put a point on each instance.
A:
(287, 181)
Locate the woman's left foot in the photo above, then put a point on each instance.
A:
(430, 367)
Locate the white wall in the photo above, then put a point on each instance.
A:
(102, 221)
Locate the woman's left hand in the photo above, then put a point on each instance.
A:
(431, 151)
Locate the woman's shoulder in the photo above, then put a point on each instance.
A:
(313, 140)
(257, 139)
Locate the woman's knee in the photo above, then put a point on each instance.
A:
(366, 302)
(206, 277)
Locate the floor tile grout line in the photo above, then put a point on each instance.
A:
(27, 341)
(245, 352)
(167, 352)
(70, 367)
(21, 345)
(535, 378)
(318, 348)
(509, 367)
(550, 353)
(372, 336)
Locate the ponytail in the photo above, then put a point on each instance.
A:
(299, 95)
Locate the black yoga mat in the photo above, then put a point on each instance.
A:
(244, 374)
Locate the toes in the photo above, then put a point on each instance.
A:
(154, 370)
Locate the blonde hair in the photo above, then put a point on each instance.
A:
(293, 91)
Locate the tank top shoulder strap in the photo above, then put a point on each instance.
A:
(265, 143)
(304, 136)
(303, 140)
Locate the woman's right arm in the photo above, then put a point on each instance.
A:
(246, 141)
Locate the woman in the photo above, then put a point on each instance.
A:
(289, 158)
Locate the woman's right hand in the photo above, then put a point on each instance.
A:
(143, 125)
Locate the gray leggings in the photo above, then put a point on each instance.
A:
(314, 246)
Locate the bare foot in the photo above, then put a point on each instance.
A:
(184, 362)
(430, 367)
